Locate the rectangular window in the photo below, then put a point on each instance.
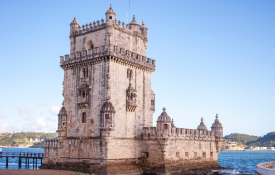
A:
(178, 154)
(106, 116)
(195, 154)
(152, 102)
(204, 154)
(187, 154)
(145, 154)
(130, 74)
(165, 126)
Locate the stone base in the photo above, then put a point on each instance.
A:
(136, 167)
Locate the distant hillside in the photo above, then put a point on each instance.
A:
(267, 140)
(23, 138)
(241, 138)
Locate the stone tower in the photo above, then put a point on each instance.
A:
(108, 67)
(105, 125)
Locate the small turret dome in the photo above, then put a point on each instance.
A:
(202, 125)
(62, 111)
(110, 11)
(217, 123)
(74, 22)
(134, 22)
(164, 117)
(172, 124)
(143, 25)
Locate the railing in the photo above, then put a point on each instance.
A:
(23, 155)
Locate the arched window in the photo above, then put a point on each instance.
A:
(90, 45)
(84, 72)
(83, 94)
(84, 117)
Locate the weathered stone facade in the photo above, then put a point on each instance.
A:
(105, 124)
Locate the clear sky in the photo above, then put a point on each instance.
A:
(211, 57)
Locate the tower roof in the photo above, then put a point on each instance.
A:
(108, 107)
(110, 10)
(217, 123)
(134, 22)
(202, 125)
(164, 117)
(143, 25)
(62, 111)
(74, 22)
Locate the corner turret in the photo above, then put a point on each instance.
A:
(202, 125)
(217, 128)
(164, 124)
(110, 16)
(134, 25)
(74, 26)
(144, 30)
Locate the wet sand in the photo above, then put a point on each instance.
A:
(39, 172)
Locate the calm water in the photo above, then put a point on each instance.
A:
(238, 162)
(244, 162)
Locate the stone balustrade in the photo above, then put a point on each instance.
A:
(51, 143)
(179, 133)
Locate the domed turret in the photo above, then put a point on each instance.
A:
(134, 25)
(202, 125)
(164, 124)
(164, 117)
(107, 115)
(217, 127)
(144, 29)
(110, 15)
(74, 25)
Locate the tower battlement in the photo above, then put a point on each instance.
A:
(92, 27)
(178, 133)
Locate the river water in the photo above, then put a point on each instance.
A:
(236, 162)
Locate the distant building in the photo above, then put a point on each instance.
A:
(30, 139)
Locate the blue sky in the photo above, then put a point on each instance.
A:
(211, 57)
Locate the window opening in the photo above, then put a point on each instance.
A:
(86, 72)
(84, 117)
(186, 154)
(165, 126)
(204, 154)
(178, 154)
(106, 116)
(152, 102)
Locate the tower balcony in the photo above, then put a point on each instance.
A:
(82, 102)
(131, 105)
